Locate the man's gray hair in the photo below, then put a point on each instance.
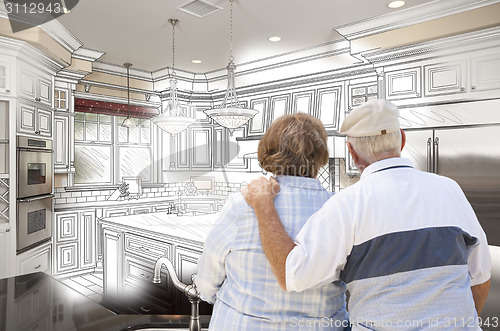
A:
(375, 148)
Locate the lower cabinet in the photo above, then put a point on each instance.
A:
(75, 241)
(32, 307)
(129, 259)
(38, 259)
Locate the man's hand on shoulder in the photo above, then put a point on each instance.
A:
(261, 192)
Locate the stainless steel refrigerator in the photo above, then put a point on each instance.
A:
(470, 156)
(462, 141)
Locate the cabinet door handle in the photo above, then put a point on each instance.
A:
(142, 248)
(429, 155)
(144, 276)
(473, 87)
(436, 155)
(38, 266)
(7, 91)
(38, 99)
(146, 310)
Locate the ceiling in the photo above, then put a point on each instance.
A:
(139, 32)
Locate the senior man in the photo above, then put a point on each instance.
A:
(407, 243)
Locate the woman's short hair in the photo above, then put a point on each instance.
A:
(294, 145)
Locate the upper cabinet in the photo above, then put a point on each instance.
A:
(35, 85)
(194, 148)
(5, 77)
(473, 76)
(34, 120)
(485, 72)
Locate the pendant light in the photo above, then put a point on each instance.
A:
(173, 119)
(231, 114)
(128, 122)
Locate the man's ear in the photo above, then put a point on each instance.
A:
(353, 152)
(403, 139)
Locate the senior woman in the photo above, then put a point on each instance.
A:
(233, 272)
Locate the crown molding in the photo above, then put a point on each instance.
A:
(406, 17)
(28, 53)
(87, 54)
(468, 42)
(118, 70)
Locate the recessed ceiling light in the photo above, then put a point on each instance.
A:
(396, 4)
(196, 61)
(274, 39)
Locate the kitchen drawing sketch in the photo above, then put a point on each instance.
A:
(95, 203)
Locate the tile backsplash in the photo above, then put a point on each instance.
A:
(64, 196)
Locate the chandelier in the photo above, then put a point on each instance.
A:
(231, 114)
(172, 118)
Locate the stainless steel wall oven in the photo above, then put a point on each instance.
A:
(34, 191)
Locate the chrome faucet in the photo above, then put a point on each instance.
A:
(189, 290)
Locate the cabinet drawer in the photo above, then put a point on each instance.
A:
(137, 270)
(146, 247)
(35, 262)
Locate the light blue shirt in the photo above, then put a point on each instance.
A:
(234, 273)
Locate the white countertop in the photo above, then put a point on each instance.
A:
(133, 202)
(190, 227)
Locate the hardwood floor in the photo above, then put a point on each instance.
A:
(89, 285)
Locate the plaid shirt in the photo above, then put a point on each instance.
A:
(234, 273)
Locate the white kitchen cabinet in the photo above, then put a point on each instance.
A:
(6, 78)
(66, 227)
(445, 78)
(130, 255)
(38, 259)
(35, 85)
(182, 150)
(201, 148)
(75, 241)
(469, 76)
(329, 105)
(403, 84)
(140, 210)
(61, 144)
(88, 245)
(194, 148)
(34, 120)
(361, 92)
(230, 150)
(485, 72)
(66, 257)
(187, 262)
(260, 122)
(117, 211)
(113, 263)
(219, 142)
(32, 306)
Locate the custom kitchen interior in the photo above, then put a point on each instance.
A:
(118, 147)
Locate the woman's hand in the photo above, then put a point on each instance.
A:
(261, 192)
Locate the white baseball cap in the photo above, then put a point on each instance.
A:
(373, 118)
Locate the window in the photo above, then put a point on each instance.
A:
(102, 157)
(60, 99)
(135, 154)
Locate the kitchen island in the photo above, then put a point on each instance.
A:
(131, 246)
(39, 302)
